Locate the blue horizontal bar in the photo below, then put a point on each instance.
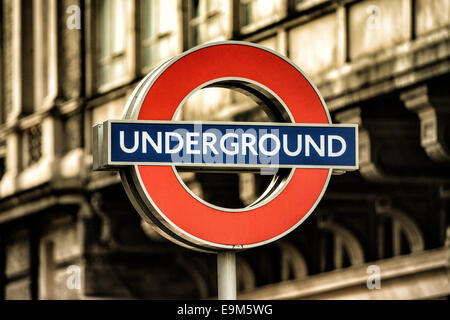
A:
(229, 144)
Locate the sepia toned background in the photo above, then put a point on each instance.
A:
(382, 232)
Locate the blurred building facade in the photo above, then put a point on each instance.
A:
(69, 232)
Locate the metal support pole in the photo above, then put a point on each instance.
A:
(226, 275)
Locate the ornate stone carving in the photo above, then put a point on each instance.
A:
(434, 114)
(389, 145)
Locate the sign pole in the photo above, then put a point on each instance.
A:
(226, 275)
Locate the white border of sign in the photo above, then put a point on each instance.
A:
(107, 146)
(137, 191)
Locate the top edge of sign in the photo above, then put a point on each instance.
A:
(234, 123)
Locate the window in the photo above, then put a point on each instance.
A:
(257, 13)
(158, 31)
(31, 146)
(45, 55)
(206, 21)
(113, 51)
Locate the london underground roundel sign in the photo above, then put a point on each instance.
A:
(301, 146)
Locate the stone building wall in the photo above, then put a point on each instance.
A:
(68, 232)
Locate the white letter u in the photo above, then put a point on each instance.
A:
(122, 142)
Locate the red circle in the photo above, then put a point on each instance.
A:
(178, 206)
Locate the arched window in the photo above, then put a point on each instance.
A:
(397, 233)
(345, 247)
(293, 265)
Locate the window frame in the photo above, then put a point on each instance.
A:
(201, 21)
(94, 47)
(278, 15)
(143, 42)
